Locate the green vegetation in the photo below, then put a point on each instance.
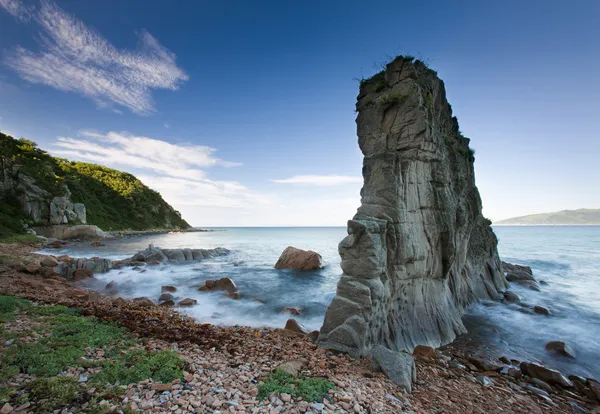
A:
(65, 340)
(391, 99)
(310, 389)
(19, 238)
(114, 200)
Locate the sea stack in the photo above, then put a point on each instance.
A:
(418, 250)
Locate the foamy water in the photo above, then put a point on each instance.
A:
(568, 258)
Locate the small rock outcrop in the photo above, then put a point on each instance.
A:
(549, 376)
(64, 232)
(418, 250)
(293, 258)
(157, 255)
(560, 348)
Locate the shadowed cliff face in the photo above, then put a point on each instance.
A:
(418, 250)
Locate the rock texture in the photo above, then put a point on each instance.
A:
(418, 250)
(293, 258)
(398, 366)
(158, 255)
(64, 232)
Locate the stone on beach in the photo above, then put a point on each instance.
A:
(295, 326)
(169, 289)
(164, 297)
(548, 375)
(187, 302)
(398, 366)
(293, 258)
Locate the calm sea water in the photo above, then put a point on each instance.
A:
(568, 258)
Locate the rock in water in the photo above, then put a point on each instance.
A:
(559, 347)
(299, 259)
(418, 250)
(398, 366)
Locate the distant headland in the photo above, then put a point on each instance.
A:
(580, 217)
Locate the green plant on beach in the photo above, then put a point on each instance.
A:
(52, 393)
(309, 389)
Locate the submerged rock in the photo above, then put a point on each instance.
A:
(559, 347)
(511, 297)
(169, 289)
(509, 267)
(187, 302)
(418, 250)
(540, 310)
(398, 366)
(293, 258)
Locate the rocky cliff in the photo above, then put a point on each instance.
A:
(418, 250)
(38, 189)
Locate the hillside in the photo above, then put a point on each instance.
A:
(583, 216)
(38, 189)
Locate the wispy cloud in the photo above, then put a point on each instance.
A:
(17, 9)
(75, 58)
(177, 171)
(320, 180)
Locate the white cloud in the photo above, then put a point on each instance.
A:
(174, 170)
(16, 8)
(74, 58)
(167, 126)
(123, 150)
(320, 180)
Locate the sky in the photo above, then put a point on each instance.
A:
(242, 113)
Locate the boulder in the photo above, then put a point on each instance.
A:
(540, 310)
(82, 274)
(313, 336)
(293, 311)
(509, 267)
(143, 301)
(561, 348)
(49, 272)
(483, 364)
(164, 297)
(549, 376)
(32, 268)
(168, 303)
(292, 368)
(224, 284)
(398, 366)
(419, 250)
(541, 385)
(187, 302)
(49, 261)
(530, 284)
(424, 351)
(293, 258)
(64, 232)
(169, 289)
(97, 244)
(511, 297)
(294, 326)
(519, 275)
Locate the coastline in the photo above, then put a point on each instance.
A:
(447, 382)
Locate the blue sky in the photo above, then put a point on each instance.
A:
(242, 113)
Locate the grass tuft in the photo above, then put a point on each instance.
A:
(52, 393)
(309, 389)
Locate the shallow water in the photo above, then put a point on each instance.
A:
(568, 258)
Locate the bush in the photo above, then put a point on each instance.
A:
(309, 389)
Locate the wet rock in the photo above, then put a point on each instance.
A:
(143, 301)
(260, 300)
(518, 275)
(456, 364)
(97, 244)
(291, 367)
(484, 364)
(398, 366)
(82, 274)
(164, 297)
(540, 310)
(293, 311)
(424, 351)
(561, 348)
(233, 295)
(541, 384)
(188, 302)
(535, 390)
(514, 373)
(543, 282)
(168, 303)
(224, 283)
(111, 286)
(49, 261)
(485, 381)
(511, 297)
(576, 408)
(156, 254)
(505, 360)
(530, 284)
(509, 267)
(294, 326)
(293, 258)
(547, 375)
(169, 289)
(594, 386)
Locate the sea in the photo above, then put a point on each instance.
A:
(567, 258)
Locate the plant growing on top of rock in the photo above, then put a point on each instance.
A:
(391, 99)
